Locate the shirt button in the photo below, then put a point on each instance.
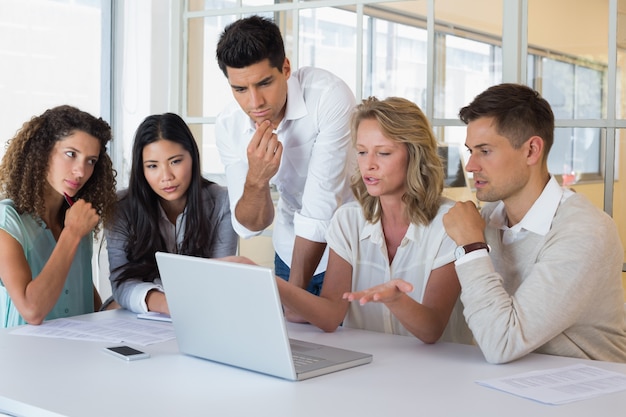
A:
(67, 291)
(67, 310)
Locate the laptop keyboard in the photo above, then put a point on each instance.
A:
(303, 360)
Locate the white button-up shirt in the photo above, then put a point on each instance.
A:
(317, 162)
(362, 245)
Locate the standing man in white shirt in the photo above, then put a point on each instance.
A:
(287, 128)
(552, 280)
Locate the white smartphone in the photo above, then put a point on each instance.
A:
(126, 352)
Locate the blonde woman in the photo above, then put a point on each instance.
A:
(391, 263)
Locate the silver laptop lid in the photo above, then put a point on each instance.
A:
(208, 302)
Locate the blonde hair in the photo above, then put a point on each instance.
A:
(402, 121)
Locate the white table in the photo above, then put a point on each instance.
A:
(50, 377)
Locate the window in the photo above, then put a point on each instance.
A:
(327, 39)
(470, 67)
(574, 91)
(52, 52)
(394, 61)
(384, 48)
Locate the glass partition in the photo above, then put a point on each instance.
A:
(51, 53)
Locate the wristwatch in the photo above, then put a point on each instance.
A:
(463, 250)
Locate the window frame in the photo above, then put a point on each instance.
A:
(377, 10)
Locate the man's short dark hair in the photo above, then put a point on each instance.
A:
(248, 41)
(519, 112)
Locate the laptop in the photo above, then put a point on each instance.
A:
(231, 313)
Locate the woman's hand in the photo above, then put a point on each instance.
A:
(81, 218)
(384, 293)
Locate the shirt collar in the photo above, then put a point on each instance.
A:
(296, 107)
(539, 218)
(179, 218)
(374, 232)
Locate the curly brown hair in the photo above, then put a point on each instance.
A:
(27, 158)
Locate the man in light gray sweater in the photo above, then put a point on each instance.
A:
(549, 280)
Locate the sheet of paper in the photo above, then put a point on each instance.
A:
(151, 315)
(560, 385)
(140, 332)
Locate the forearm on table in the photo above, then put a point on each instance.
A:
(423, 322)
(319, 311)
(509, 326)
(132, 294)
(156, 301)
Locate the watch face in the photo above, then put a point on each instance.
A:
(460, 251)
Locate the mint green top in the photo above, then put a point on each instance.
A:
(38, 243)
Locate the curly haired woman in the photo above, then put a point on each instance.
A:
(58, 184)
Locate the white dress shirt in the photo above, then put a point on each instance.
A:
(423, 248)
(317, 162)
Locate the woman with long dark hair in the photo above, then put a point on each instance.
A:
(168, 207)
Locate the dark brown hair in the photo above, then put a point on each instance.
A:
(518, 111)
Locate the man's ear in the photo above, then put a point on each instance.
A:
(535, 150)
(286, 68)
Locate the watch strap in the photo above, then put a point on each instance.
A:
(476, 246)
